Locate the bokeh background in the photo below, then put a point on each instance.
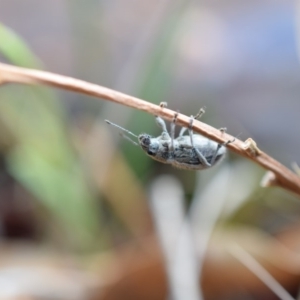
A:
(86, 215)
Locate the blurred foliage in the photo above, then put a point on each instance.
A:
(15, 49)
(42, 157)
(234, 58)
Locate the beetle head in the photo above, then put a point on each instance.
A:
(149, 144)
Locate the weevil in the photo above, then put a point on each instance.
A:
(190, 152)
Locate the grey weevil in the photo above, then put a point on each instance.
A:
(190, 152)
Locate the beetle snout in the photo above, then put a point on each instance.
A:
(144, 141)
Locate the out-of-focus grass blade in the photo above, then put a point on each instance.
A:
(43, 159)
(63, 190)
(16, 50)
(246, 259)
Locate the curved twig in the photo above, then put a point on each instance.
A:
(282, 176)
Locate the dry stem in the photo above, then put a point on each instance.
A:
(283, 177)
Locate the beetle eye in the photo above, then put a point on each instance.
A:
(150, 152)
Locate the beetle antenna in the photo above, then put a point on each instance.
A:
(125, 130)
(128, 138)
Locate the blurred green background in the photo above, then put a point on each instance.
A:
(69, 183)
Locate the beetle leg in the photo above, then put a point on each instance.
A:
(182, 131)
(220, 145)
(172, 131)
(200, 113)
(161, 123)
(200, 156)
(215, 154)
(197, 116)
(224, 129)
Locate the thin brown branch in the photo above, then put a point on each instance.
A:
(283, 177)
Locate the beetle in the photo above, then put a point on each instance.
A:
(190, 152)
